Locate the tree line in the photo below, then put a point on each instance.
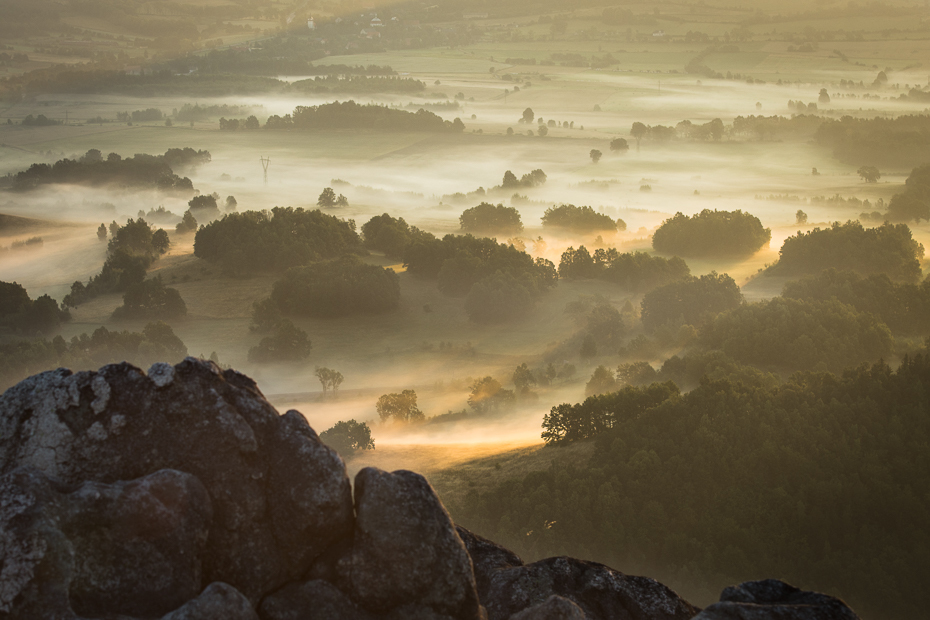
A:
(351, 115)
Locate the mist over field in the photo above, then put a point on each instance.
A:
(568, 261)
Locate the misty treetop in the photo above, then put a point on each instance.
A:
(151, 299)
(358, 84)
(490, 218)
(19, 313)
(351, 115)
(157, 171)
(348, 437)
(690, 301)
(904, 307)
(285, 343)
(792, 334)
(130, 252)
(900, 141)
(711, 234)
(337, 288)
(889, 249)
(579, 219)
(913, 204)
(634, 270)
(155, 343)
(390, 235)
(274, 240)
(800, 480)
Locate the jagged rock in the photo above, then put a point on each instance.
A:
(405, 549)
(507, 586)
(771, 599)
(218, 600)
(280, 496)
(131, 548)
(553, 608)
(311, 600)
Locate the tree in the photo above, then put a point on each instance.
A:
(330, 379)
(800, 217)
(487, 394)
(638, 131)
(399, 407)
(824, 96)
(523, 378)
(619, 144)
(327, 198)
(588, 347)
(869, 174)
(346, 438)
(528, 115)
(151, 299)
(510, 180)
(102, 232)
(595, 155)
(231, 203)
(188, 223)
(286, 343)
(914, 202)
(602, 381)
(487, 217)
(543, 131)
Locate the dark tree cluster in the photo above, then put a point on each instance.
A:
(155, 343)
(711, 234)
(390, 235)
(130, 252)
(274, 241)
(798, 335)
(490, 218)
(140, 170)
(913, 204)
(348, 437)
(580, 219)
(285, 343)
(501, 282)
(20, 314)
(534, 178)
(336, 288)
(733, 479)
(690, 301)
(888, 249)
(878, 141)
(351, 115)
(151, 299)
(234, 124)
(903, 307)
(39, 121)
(358, 84)
(638, 271)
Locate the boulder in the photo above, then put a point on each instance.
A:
(218, 600)
(771, 599)
(599, 591)
(279, 496)
(133, 548)
(405, 549)
(553, 608)
(310, 600)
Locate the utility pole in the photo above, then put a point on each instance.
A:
(265, 161)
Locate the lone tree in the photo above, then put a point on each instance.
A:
(102, 232)
(619, 144)
(869, 174)
(488, 395)
(348, 437)
(800, 217)
(523, 378)
(638, 131)
(543, 131)
(401, 407)
(595, 155)
(528, 115)
(327, 198)
(330, 379)
(824, 96)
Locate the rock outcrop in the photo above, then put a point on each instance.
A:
(182, 494)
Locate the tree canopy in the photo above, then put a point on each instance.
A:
(274, 241)
(888, 249)
(490, 218)
(578, 219)
(711, 234)
(337, 288)
(690, 301)
(348, 437)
